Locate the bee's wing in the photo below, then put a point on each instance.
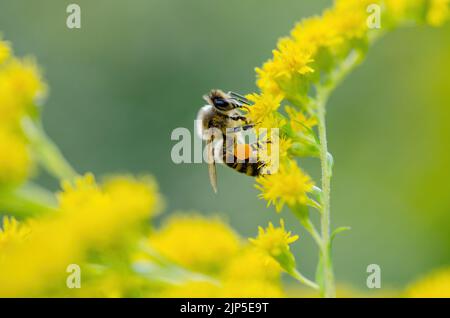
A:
(211, 164)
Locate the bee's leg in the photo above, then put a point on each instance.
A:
(259, 145)
(242, 128)
(238, 117)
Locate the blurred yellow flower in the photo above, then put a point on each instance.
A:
(439, 12)
(290, 185)
(349, 18)
(250, 273)
(225, 289)
(90, 219)
(11, 233)
(5, 51)
(252, 264)
(403, 10)
(434, 285)
(316, 33)
(192, 289)
(20, 85)
(252, 289)
(15, 159)
(143, 190)
(208, 245)
(195, 242)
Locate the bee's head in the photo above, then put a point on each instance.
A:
(221, 101)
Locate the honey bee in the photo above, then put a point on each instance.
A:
(224, 114)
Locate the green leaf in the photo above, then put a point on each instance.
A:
(317, 193)
(330, 160)
(27, 200)
(338, 231)
(302, 213)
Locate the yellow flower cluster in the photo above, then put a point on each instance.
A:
(434, 285)
(12, 233)
(195, 242)
(290, 185)
(20, 87)
(312, 44)
(439, 12)
(306, 61)
(90, 218)
(209, 246)
(5, 51)
(275, 242)
(432, 12)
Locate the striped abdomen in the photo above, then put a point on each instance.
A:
(243, 164)
(252, 169)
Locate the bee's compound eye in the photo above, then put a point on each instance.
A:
(220, 103)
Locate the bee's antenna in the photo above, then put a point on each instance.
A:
(239, 98)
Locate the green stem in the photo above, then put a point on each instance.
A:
(328, 288)
(158, 267)
(302, 279)
(328, 285)
(47, 152)
(27, 200)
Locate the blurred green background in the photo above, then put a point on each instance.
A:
(137, 69)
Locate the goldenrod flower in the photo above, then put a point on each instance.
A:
(264, 105)
(11, 233)
(251, 289)
(143, 190)
(316, 33)
(290, 185)
(401, 11)
(15, 159)
(91, 219)
(274, 152)
(250, 273)
(224, 289)
(299, 121)
(292, 58)
(110, 282)
(5, 51)
(439, 12)
(252, 264)
(191, 289)
(434, 285)
(265, 80)
(349, 18)
(21, 84)
(433, 12)
(280, 75)
(196, 242)
(275, 242)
